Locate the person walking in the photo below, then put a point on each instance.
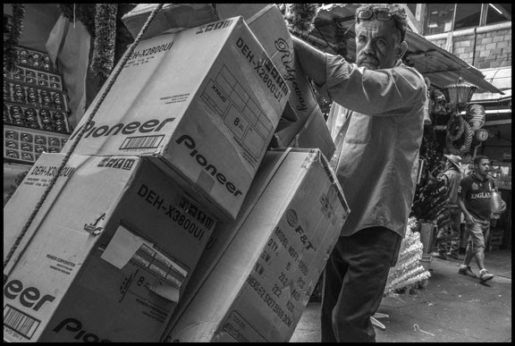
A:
(378, 139)
(448, 237)
(474, 200)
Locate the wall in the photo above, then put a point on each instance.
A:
(492, 45)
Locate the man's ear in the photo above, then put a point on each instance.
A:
(403, 48)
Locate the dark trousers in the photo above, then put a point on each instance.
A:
(354, 282)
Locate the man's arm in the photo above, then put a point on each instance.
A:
(363, 90)
(311, 60)
(462, 192)
(468, 216)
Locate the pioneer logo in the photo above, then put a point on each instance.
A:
(209, 167)
(77, 331)
(153, 125)
(29, 297)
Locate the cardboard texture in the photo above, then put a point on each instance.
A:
(269, 26)
(255, 278)
(315, 134)
(171, 16)
(108, 254)
(204, 102)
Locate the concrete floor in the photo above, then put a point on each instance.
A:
(452, 308)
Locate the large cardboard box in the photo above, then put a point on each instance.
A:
(172, 16)
(204, 102)
(108, 254)
(269, 26)
(255, 278)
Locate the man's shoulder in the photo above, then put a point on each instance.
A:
(410, 71)
(413, 77)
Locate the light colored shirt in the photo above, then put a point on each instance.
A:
(376, 164)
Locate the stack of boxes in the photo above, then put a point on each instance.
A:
(169, 196)
(35, 111)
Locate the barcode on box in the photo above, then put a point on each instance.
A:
(142, 142)
(20, 322)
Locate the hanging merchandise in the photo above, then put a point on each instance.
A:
(13, 26)
(459, 135)
(455, 127)
(35, 107)
(476, 116)
(481, 135)
(110, 36)
(105, 39)
(300, 16)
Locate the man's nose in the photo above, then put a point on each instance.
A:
(368, 48)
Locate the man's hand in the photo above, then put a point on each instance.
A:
(469, 219)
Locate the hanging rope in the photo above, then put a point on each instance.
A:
(128, 53)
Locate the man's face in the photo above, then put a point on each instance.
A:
(483, 167)
(377, 44)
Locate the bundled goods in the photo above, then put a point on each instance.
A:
(408, 270)
(255, 279)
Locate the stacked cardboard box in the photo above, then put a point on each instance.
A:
(204, 103)
(302, 123)
(174, 150)
(255, 279)
(108, 255)
(308, 129)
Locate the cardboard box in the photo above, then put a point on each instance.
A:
(204, 102)
(108, 254)
(255, 278)
(315, 134)
(269, 26)
(171, 16)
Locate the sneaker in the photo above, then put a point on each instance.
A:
(484, 275)
(466, 270)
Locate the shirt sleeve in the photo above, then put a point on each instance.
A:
(373, 92)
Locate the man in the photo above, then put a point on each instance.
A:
(474, 200)
(449, 236)
(378, 145)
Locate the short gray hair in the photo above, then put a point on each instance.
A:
(398, 15)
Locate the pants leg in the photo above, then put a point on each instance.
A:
(354, 282)
(454, 238)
